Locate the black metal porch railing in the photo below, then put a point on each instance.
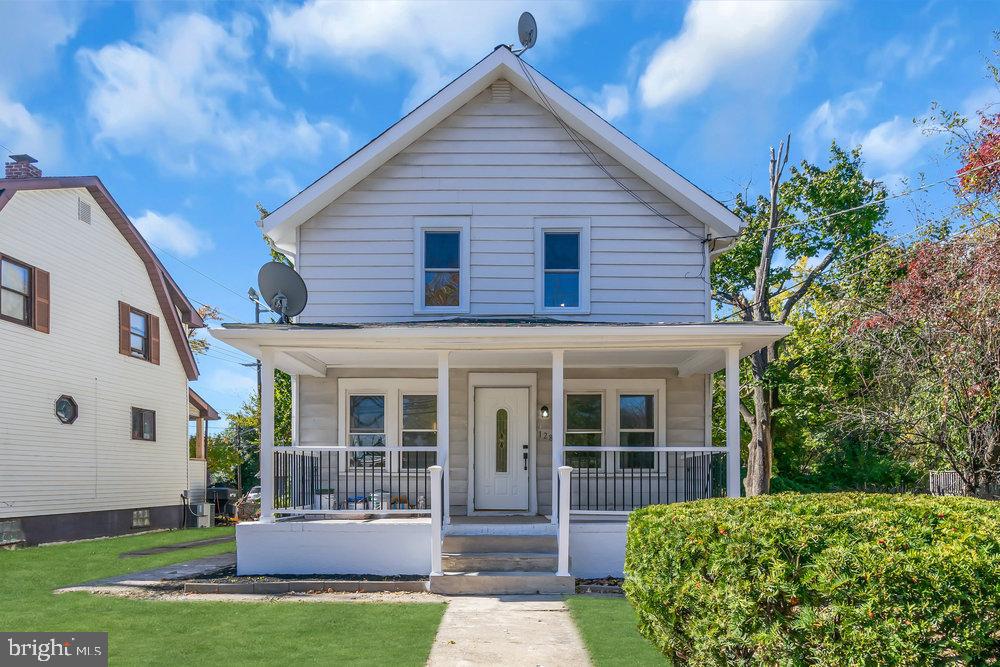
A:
(352, 480)
(621, 479)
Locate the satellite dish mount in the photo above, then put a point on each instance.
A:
(527, 32)
(283, 290)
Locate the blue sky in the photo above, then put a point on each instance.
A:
(193, 112)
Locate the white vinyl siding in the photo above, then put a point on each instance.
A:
(501, 166)
(47, 467)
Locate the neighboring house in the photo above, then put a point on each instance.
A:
(94, 400)
(484, 297)
(200, 412)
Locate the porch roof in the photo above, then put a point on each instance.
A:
(309, 349)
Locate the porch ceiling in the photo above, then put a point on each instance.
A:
(311, 349)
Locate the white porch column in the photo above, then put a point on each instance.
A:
(563, 542)
(733, 482)
(558, 428)
(436, 507)
(443, 424)
(266, 435)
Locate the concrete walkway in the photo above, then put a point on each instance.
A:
(160, 576)
(525, 631)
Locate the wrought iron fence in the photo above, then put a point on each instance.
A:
(621, 479)
(352, 480)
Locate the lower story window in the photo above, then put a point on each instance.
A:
(584, 428)
(367, 429)
(636, 428)
(418, 429)
(143, 424)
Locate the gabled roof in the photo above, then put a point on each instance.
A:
(201, 407)
(280, 225)
(168, 295)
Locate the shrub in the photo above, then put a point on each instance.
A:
(829, 579)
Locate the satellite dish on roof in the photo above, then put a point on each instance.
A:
(527, 31)
(283, 289)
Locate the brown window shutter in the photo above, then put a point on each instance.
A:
(124, 327)
(40, 300)
(154, 339)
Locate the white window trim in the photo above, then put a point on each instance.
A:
(611, 390)
(561, 224)
(393, 390)
(442, 224)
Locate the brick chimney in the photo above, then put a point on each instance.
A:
(23, 166)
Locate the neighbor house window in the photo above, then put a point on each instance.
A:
(367, 429)
(143, 424)
(15, 291)
(636, 428)
(442, 265)
(562, 270)
(584, 428)
(418, 429)
(66, 409)
(138, 334)
(562, 265)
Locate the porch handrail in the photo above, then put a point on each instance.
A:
(352, 448)
(645, 448)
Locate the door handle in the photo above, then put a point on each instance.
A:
(525, 448)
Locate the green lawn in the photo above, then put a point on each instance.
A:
(608, 626)
(172, 633)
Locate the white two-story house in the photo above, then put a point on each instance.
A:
(507, 347)
(94, 368)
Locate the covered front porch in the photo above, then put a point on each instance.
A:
(542, 425)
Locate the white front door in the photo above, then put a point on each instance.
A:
(501, 446)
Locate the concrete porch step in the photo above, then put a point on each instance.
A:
(501, 583)
(500, 561)
(480, 544)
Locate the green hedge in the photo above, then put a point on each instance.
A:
(829, 579)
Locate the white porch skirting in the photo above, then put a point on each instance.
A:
(596, 549)
(382, 547)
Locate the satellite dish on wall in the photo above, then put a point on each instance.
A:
(527, 31)
(283, 290)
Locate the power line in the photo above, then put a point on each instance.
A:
(208, 277)
(900, 195)
(849, 275)
(593, 158)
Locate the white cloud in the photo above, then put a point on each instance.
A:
(186, 95)
(228, 382)
(33, 34)
(173, 233)
(835, 120)
(432, 40)
(889, 146)
(751, 45)
(893, 144)
(24, 132)
(915, 56)
(611, 102)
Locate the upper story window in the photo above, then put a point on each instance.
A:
(24, 294)
(441, 253)
(15, 291)
(562, 270)
(138, 333)
(562, 263)
(442, 269)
